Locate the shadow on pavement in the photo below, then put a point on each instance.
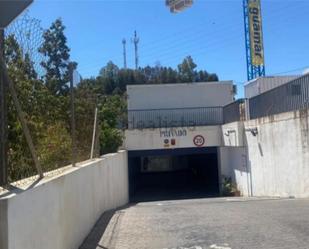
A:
(173, 193)
(93, 239)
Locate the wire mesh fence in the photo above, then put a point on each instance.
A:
(28, 33)
(43, 125)
(289, 97)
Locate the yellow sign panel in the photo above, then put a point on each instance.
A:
(256, 34)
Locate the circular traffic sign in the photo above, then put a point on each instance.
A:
(199, 140)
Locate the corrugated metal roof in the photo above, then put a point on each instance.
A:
(264, 84)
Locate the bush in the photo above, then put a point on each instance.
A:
(54, 148)
(229, 188)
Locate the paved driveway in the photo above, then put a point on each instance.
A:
(205, 224)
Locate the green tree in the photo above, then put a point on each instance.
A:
(110, 71)
(126, 77)
(171, 75)
(112, 80)
(108, 77)
(213, 77)
(57, 52)
(87, 97)
(112, 117)
(187, 70)
(44, 116)
(22, 73)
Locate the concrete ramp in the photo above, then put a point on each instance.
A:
(219, 223)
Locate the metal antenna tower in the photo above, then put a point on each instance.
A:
(255, 66)
(136, 41)
(124, 54)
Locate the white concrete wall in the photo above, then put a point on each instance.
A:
(233, 163)
(60, 212)
(233, 134)
(279, 155)
(165, 96)
(148, 139)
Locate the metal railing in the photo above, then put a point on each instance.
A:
(289, 97)
(177, 117)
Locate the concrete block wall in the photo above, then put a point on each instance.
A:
(60, 212)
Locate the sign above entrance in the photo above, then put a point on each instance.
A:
(200, 137)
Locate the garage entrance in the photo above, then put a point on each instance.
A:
(173, 174)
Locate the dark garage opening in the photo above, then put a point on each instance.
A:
(173, 174)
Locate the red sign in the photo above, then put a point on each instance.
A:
(199, 141)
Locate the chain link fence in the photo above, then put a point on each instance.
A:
(28, 33)
(46, 131)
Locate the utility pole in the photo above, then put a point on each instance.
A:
(136, 41)
(124, 54)
(3, 119)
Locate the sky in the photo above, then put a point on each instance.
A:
(211, 31)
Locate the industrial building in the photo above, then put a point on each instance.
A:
(183, 140)
(263, 84)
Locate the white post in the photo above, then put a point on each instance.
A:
(94, 132)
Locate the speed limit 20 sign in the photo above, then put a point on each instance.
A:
(199, 141)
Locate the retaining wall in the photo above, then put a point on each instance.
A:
(278, 155)
(58, 213)
(277, 149)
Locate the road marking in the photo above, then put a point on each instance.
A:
(225, 246)
(192, 247)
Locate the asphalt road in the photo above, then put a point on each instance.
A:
(205, 224)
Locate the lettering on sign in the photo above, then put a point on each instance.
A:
(256, 35)
(173, 133)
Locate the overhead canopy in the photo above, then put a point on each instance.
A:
(10, 9)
